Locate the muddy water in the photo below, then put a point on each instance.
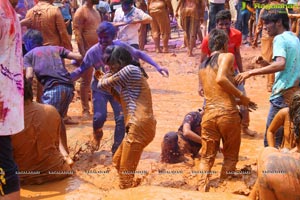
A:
(173, 97)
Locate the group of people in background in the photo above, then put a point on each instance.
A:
(110, 42)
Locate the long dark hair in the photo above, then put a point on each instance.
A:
(294, 112)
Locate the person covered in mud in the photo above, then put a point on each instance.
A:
(281, 120)
(135, 98)
(106, 33)
(275, 166)
(285, 65)
(47, 63)
(189, 19)
(184, 144)
(221, 118)
(85, 24)
(223, 20)
(160, 10)
(40, 149)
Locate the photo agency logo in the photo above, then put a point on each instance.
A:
(275, 6)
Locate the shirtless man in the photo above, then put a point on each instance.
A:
(189, 19)
(160, 10)
(274, 166)
(85, 23)
(221, 117)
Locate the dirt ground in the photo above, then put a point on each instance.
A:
(173, 97)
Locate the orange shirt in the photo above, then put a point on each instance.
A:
(234, 42)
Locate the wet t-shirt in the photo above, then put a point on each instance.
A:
(48, 65)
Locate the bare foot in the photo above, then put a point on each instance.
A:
(249, 132)
(190, 54)
(165, 50)
(158, 50)
(96, 140)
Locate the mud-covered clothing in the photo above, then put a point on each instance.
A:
(221, 119)
(48, 19)
(36, 148)
(175, 145)
(136, 101)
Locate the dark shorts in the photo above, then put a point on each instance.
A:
(9, 166)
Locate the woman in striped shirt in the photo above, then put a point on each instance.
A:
(135, 98)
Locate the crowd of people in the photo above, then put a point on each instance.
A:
(110, 40)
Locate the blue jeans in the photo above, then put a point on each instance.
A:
(100, 100)
(242, 22)
(276, 105)
(214, 8)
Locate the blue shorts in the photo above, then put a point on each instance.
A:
(9, 166)
(59, 96)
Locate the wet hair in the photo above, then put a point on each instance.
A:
(127, 1)
(33, 38)
(274, 15)
(170, 152)
(116, 54)
(223, 15)
(217, 39)
(294, 112)
(106, 28)
(28, 94)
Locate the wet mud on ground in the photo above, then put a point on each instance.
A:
(95, 178)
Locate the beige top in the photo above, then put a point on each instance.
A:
(36, 147)
(49, 21)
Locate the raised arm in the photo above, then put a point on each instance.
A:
(138, 54)
(226, 62)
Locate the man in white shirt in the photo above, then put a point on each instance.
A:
(129, 19)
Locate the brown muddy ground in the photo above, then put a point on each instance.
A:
(173, 97)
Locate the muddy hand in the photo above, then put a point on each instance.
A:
(252, 106)
(241, 77)
(164, 72)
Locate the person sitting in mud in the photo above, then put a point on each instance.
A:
(281, 119)
(184, 144)
(221, 118)
(135, 98)
(275, 166)
(41, 148)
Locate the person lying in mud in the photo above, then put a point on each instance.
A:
(278, 172)
(183, 145)
(106, 33)
(221, 118)
(40, 150)
(281, 120)
(135, 98)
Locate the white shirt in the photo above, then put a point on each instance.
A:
(129, 33)
(11, 71)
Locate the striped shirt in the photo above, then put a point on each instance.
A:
(129, 79)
